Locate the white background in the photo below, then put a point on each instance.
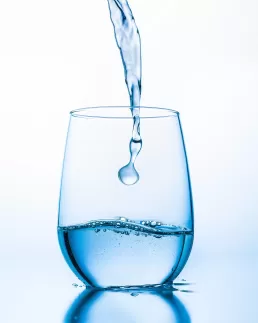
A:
(199, 57)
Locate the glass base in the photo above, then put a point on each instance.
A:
(138, 289)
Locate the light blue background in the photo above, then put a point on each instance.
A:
(200, 58)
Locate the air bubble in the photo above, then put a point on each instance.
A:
(97, 230)
(153, 223)
(104, 230)
(123, 219)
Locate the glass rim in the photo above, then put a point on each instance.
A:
(82, 112)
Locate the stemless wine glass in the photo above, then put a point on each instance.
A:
(114, 235)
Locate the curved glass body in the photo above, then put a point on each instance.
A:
(112, 234)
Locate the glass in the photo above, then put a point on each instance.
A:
(112, 234)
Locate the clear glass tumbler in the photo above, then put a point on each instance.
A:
(114, 235)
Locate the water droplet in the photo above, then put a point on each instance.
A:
(158, 223)
(128, 175)
(153, 223)
(93, 224)
(118, 225)
(123, 219)
(134, 294)
(147, 222)
(97, 230)
(75, 285)
(142, 222)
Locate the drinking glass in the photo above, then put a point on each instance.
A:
(117, 235)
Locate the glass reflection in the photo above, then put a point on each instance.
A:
(127, 307)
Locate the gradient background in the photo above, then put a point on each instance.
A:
(200, 58)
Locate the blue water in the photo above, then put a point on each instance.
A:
(129, 43)
(120, 252)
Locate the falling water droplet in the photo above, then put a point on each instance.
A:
(128, 175)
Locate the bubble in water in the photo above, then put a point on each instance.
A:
(128, 175)
(123, 219)
(97, 230)
(104, 230)
(153, 223)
